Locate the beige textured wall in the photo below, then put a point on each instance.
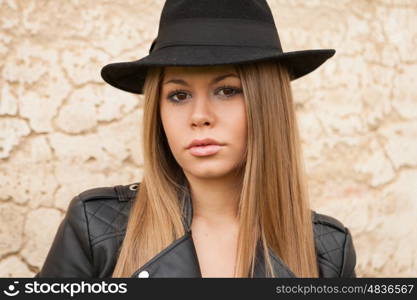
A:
(62, 130)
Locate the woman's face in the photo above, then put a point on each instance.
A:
(200, 103)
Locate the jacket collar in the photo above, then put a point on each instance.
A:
(179, 259)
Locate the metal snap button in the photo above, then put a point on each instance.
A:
(143, 274)
(133, 187)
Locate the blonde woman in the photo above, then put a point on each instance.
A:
(223, 192)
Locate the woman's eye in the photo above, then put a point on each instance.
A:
(179, 96)
(228, 91)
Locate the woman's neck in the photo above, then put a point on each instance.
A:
(215, 200)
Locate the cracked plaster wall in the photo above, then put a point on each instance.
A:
(63, 130)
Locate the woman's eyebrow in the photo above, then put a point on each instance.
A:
(215, 80)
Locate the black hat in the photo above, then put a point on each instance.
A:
(213, 32)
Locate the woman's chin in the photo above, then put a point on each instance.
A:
(209, 172)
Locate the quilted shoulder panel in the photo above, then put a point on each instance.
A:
(330, 239)
(328, 220)
(98, 193)
(107, 210)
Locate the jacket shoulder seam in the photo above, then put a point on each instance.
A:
(98, 193)
(90, 246)
(77, 207)
(331, 224)
(348, 252)
(328, 221)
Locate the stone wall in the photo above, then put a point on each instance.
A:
(63, 130)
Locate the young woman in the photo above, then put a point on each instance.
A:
(223, 192)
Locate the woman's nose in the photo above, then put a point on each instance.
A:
(202, 111)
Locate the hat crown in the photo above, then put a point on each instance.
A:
(219, 23)
(175, 10)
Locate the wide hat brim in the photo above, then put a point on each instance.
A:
(130, 76)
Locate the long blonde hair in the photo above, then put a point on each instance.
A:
(273, 207)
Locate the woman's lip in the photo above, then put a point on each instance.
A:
(204, 150)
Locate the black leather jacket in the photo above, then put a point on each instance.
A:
(88, 239)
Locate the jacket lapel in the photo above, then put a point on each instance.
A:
(177, 260)
(180, 259)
